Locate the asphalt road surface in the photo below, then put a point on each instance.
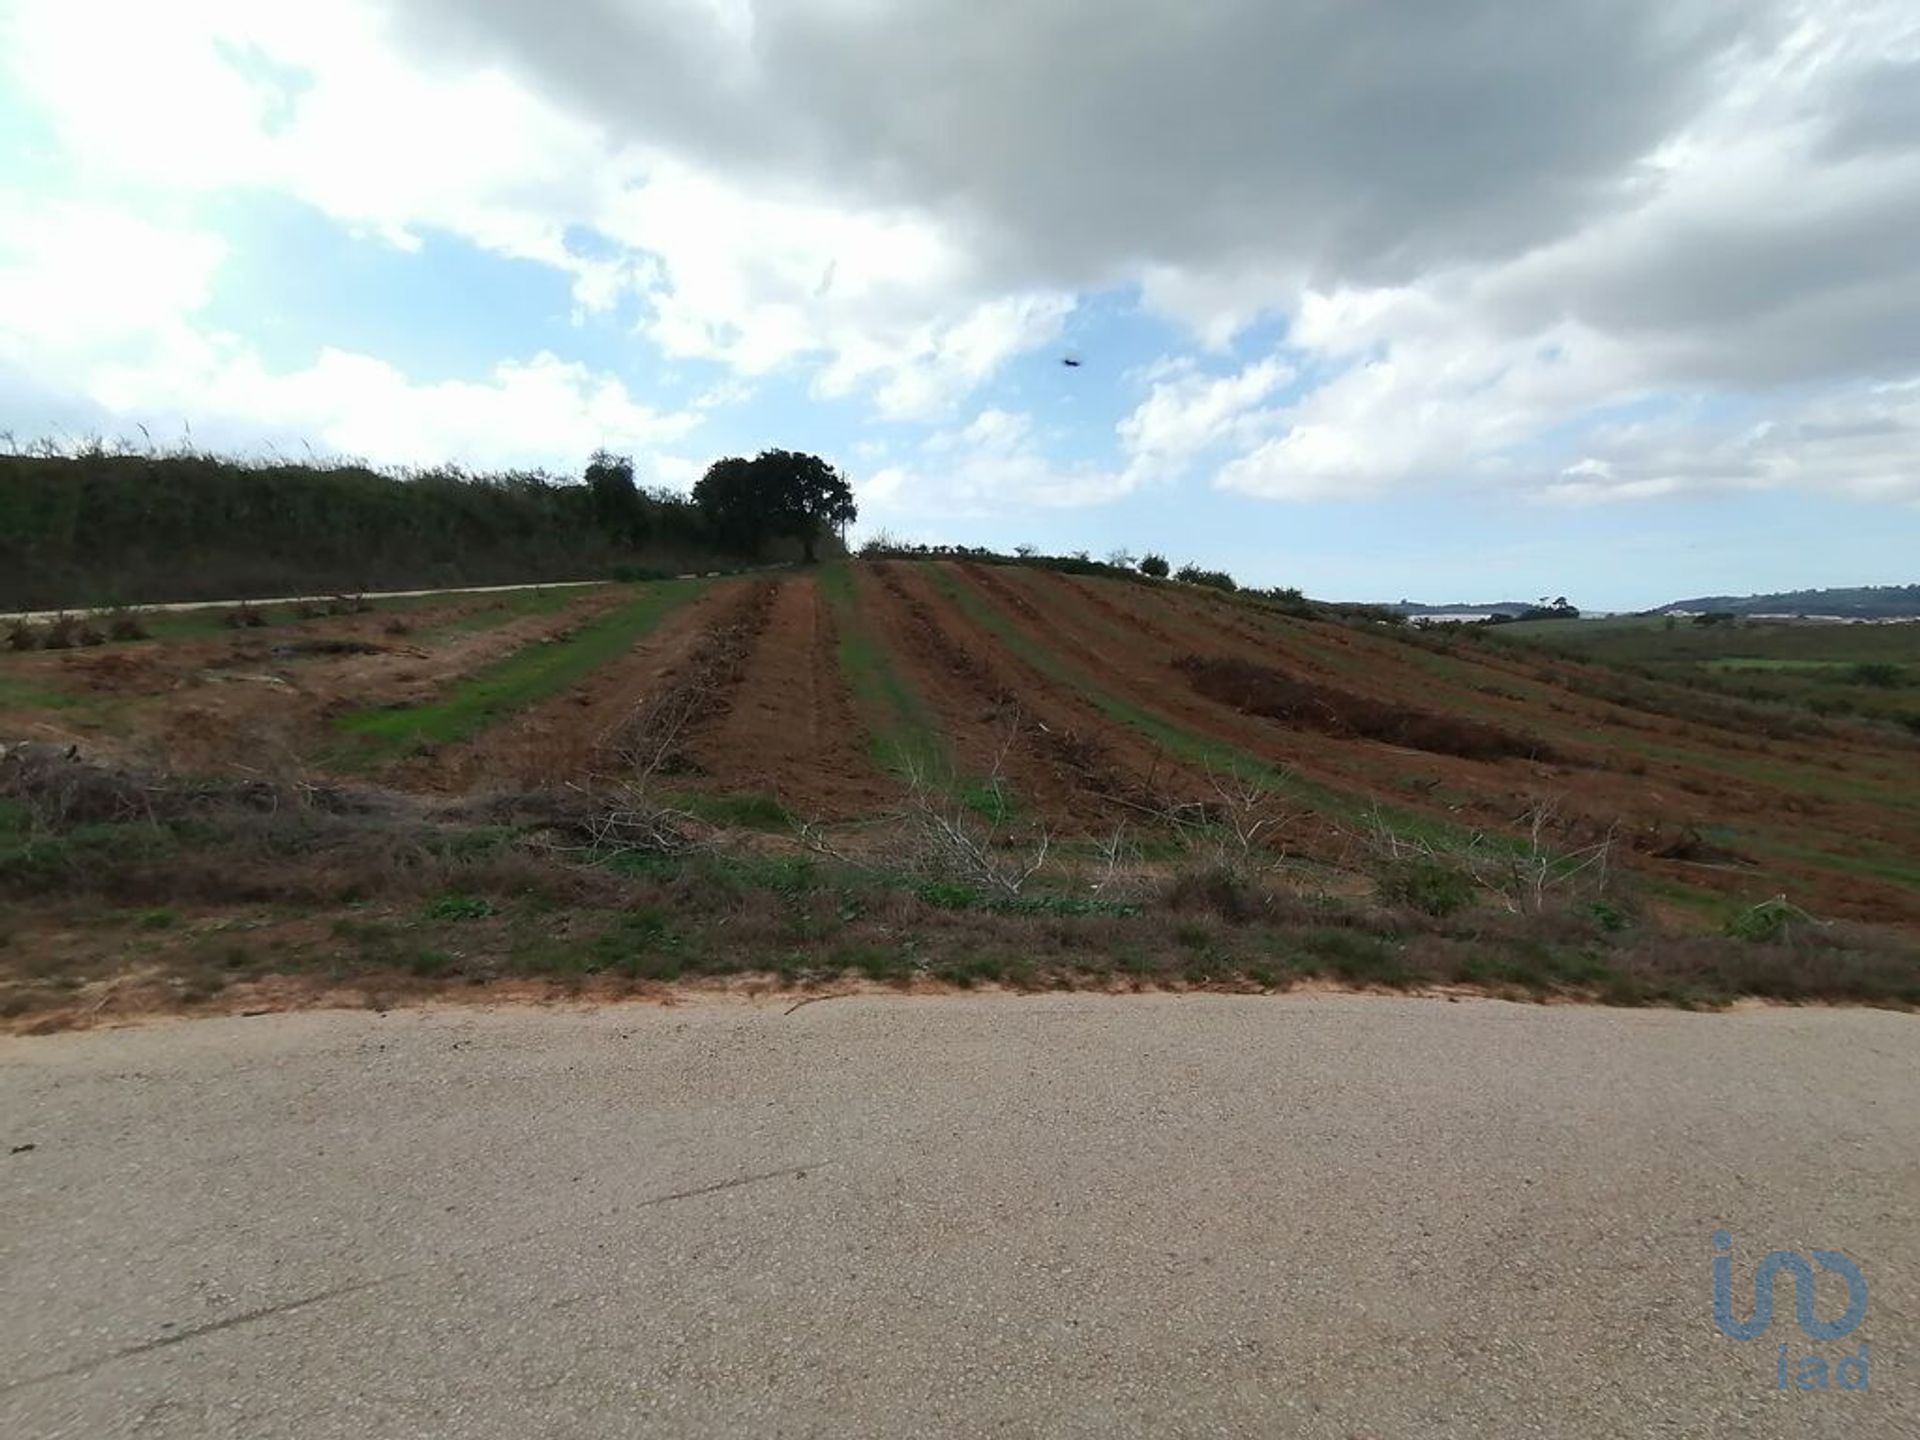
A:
(1333, 1216)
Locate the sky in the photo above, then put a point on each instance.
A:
(1448, 300)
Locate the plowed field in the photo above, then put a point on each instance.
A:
(1083, 705)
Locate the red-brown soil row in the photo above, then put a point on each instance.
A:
(1557, 692)
(694, 692)
(1317, 655)
(790, 730)
(1059, 754)
(1795, 789)
(1128, 672)
(986, 728)
(1662, 810)
(1491, 688)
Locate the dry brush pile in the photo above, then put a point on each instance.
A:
(653, 739)
(1311, 705)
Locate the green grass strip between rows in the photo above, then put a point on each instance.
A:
(529, 675)
(904, 734)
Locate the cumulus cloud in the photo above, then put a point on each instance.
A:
(995, 463)
(1487, 230)
(101, 306)
(1858, 444)
(1188, 413)
(1000, 460)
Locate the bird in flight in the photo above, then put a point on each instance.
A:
(1070, 362)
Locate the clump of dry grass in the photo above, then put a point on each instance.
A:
(244, 616)
(124, 623)
(1212, 889)
(62, 633)
(59, 788)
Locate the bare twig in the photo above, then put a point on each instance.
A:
(944, 834)
(1522, 879)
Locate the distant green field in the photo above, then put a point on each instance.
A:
(1743, 662)
(1865, 670)
(1529, 629)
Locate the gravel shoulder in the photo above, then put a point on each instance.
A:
(1312, 1214)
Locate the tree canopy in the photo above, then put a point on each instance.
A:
(617, 506)
(777, 493)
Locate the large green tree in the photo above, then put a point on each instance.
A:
(777, 493)
(729, 503)
(618, 508)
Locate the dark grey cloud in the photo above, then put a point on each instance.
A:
(1774, 285)
(1879, 112)
(1357, 139)
(1683, 197)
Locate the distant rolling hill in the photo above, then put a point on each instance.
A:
(1496, 607)
(1862, 602)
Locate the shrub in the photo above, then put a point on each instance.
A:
(22, 636)
(1357, 959)
(459, 907)
(1429, 886)
(1768, 921)
(1154, 566)
(125, 624)
(244, 616)
(1287, 598)
(1609, 916)
(1214, 579)
(61, 633)
(1881, 674)
(1212, 890)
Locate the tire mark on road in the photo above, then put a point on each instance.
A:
(267, 1312)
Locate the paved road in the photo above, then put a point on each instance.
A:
(1316, 1216)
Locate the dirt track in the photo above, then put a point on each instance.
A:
(1319, 1216)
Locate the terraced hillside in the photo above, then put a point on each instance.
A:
(1114, 730)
